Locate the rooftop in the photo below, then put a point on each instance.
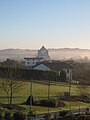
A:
(34, 58)
(55, 65)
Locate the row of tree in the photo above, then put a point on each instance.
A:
(27, 74)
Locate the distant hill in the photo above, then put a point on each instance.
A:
(56, 54)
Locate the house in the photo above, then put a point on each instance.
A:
(42, 56)
(29, 62)
(55, 66)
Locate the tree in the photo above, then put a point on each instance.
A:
(10, 62)
(11, 86)
(62, 76)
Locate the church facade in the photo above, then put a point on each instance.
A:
(43, 53)
(41, 57)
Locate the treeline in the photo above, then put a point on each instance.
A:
(27, 74)
(81, 72)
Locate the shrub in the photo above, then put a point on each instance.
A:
(7, 116)
(63, 113)
(47, 117)
(84, 98)
(1, 118)
(18, 116)
(66, 94)
(52, 103)
(63, 76)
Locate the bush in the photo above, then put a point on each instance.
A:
(83, 118)
(18, 116)
(66, 94)
(63, 113)
(84, 98)
(52, 103)
(7, 116)
(63, 76)
(47, 117)
(1, 118)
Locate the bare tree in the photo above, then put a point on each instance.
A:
(11, 86)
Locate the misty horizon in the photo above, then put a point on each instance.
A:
(47, 48)
(55, 54)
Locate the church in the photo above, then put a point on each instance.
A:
(41, 57)
(43, 62)
(43, 53)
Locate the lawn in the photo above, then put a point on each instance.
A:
(40, 91)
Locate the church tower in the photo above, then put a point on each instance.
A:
(43, 53)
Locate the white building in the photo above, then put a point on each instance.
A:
(55, 66)
(29, 62)
(42, 56)
(43, 53)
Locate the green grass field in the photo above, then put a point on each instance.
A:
(40, 91)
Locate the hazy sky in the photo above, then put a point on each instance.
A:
(30, 24)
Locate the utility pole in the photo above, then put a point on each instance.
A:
(49, 90)
(48, 95)
(69, 87)
(30, 96)
(70, 79)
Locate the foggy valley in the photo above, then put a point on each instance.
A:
(55, 54)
